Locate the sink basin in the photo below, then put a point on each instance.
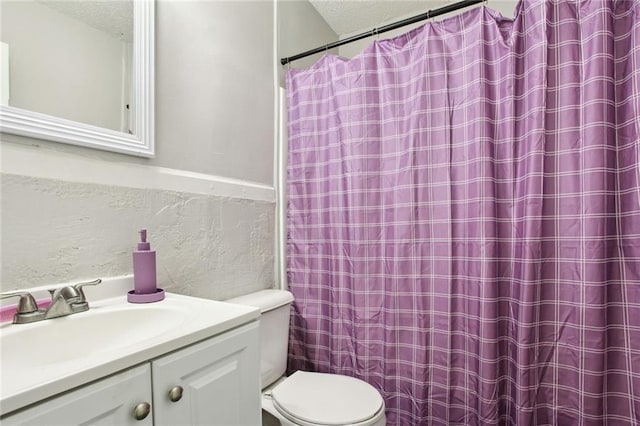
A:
(41, 359)
(82, 335)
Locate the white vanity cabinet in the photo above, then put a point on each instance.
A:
(219, 380)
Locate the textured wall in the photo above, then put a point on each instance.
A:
(55, 231)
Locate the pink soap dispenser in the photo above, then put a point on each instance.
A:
(144, 274)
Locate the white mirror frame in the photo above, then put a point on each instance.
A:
(43, 126)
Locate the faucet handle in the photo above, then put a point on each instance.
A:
(80, 285)
(69, 294)
(27, 303)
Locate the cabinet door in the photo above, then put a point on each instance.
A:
(109, 401)
(220, 381)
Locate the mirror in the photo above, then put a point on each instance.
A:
(79, 72)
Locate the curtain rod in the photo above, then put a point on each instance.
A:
(384, 29)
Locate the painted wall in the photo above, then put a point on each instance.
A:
(505, 7)
(62, 66)
(301, 28)
(71, 213)
(215, 91)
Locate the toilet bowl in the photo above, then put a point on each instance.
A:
(311, 399)
(305, 398)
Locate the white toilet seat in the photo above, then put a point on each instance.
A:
(312, 399)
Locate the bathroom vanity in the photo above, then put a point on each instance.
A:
(180, 361)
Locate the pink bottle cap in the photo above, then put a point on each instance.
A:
(143, 245)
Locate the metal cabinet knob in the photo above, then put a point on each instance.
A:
(142, 410)
(175, 394)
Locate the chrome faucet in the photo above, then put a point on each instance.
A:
(64, 301)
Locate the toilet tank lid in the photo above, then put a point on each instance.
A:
(266, 300)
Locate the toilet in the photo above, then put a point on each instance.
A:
(305, 398)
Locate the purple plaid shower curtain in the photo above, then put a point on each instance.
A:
(464, 217)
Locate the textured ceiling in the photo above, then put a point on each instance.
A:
(353, 16)
(114, 17)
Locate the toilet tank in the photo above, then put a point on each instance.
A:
(275, 307)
